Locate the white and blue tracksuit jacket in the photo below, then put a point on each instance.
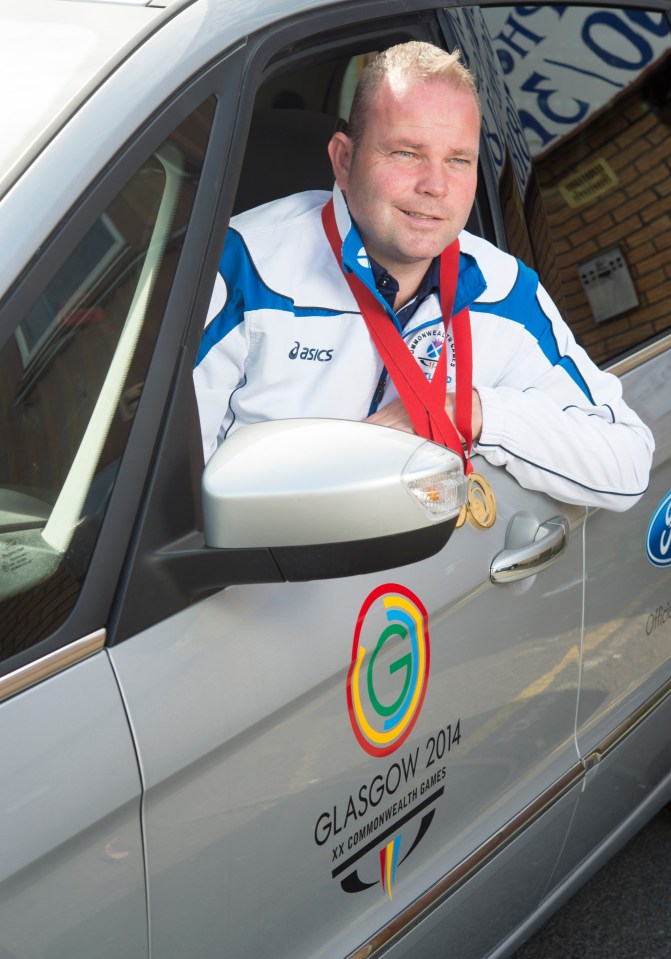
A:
(284, 339)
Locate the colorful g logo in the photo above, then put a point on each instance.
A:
(387, 678)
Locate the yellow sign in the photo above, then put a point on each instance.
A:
(588, 183)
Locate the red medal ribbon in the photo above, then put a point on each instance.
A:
(424, 400)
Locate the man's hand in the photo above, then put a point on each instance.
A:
(476, 414)
(395, 416)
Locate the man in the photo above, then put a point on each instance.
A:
(287, 337)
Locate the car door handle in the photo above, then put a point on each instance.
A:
(513, 564)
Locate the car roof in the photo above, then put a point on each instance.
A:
(82, 77)
(52, 55)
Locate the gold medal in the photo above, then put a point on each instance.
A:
(480, 506)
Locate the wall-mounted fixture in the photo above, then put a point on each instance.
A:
(608, 284)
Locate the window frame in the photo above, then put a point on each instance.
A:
(93, 608)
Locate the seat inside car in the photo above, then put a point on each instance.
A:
(286, 153)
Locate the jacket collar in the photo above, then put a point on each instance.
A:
(471, 283)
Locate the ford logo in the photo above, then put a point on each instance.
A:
(658, 542)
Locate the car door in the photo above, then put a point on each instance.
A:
(311, 786)
(591, 84)
(79, 328)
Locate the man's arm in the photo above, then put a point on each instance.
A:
(593, 456)
(220, 364)
(550, 416)
(395, 415)
(557, 422)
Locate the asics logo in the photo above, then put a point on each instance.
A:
(310, 353)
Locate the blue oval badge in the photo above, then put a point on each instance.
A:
(658, 541)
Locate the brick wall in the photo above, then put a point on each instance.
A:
(633, 136)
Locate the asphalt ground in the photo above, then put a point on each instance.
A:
(623, 912)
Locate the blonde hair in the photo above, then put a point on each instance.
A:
(401, 65)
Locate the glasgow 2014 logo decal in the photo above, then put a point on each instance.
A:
(389, 671)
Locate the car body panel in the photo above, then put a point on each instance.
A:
(626, 648)
(623, 706)
(72, 860)
(268, 665)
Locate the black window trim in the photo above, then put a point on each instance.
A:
(93, 607)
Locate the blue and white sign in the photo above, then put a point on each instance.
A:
(658, 540)
(563, 63)
(500, 122)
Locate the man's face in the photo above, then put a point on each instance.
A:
(410, 184)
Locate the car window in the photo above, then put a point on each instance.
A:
(71, 375)
(591, 86)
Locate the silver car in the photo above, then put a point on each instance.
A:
(285, 708)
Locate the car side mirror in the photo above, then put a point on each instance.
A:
(331, 497)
